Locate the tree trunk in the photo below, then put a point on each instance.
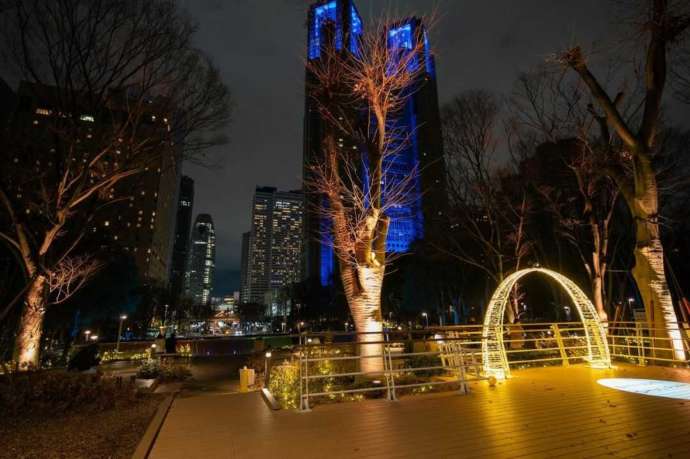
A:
(598, 297)
(363, 292)
(649, 272)
(650, 277)
(28, 342)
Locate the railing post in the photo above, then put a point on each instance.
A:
(561, 348)
(388, 368)
(460, 358)
(639, 333)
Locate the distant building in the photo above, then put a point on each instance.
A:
(244, 268)
(337, 23)
(273, 247)
(182, 241)
(141, 217)
(202, 260)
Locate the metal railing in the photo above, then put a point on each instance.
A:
(452, 355)
(407, 361)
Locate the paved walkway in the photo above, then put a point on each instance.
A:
(545, 412)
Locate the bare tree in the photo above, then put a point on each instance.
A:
(488, 208)
(663, 22)
(558, 114)
(360, 96)
(118, 87)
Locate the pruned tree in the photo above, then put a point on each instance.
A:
(114, 87)
(663, 23)
(489, 209)
(360, 97)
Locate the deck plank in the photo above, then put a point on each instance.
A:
(543, 412)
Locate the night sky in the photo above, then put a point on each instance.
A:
(259, 47)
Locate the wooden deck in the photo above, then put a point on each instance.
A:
(546, 412)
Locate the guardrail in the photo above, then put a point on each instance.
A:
(455, 353)
(405, 364)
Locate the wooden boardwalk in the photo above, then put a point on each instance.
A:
(540, 413)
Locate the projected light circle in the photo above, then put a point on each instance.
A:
(652, 387)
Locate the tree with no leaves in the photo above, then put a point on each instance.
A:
(123, 89)
(664, 24)
(555, 112)
(489, 209)
(360, 96)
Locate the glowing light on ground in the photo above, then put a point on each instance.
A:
(652, 387)
(494, 356)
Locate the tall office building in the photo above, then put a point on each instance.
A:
(244, 267)
(182, 242)
(202, 260)
(273, 247)
(336, 23)
(141, 218)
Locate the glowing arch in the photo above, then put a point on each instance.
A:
(494, 355)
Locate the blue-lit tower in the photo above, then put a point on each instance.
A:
(420, 127)
(337, 23)
(334, 23)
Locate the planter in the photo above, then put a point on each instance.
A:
(142, 383)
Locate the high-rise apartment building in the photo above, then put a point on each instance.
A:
(273, 247)
(202, 260)
(140, 218)
(182, 241)
(336, 23)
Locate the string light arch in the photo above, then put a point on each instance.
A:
(494, 358)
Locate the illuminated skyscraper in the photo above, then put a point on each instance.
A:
(274, 244)
(181, 244)
(418, 122)
(141, 218)
(202, 262)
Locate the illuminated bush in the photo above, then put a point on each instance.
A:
(284, 384)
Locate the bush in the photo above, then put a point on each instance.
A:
(152, 369)
(50, 392)
(284, 384)
(85, 358)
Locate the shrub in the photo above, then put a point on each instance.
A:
(85, 358)
(152, 369)
(284, 384)
(51, 392)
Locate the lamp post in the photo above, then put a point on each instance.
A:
(426, 319)
(86, 335)
(123, 317)
(266, 369)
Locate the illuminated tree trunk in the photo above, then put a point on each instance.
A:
(31, 324)
(598, 297)
(650, 278)
(363, 292)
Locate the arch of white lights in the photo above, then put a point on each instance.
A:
(494, 356)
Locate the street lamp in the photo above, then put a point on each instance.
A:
(266, 369)
(426, 319)
(123, 317)
(94, 337)
(87, 333)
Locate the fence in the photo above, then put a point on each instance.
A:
(408, 360)
(453, 355)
